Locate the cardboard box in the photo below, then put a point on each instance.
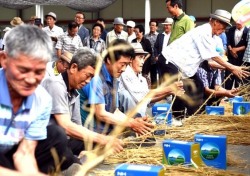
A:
(161, 120)
(213, 150)
(241, 108)
(138, 170)
(215, 110)
(181, 152)
(161, 110)
(236, 99)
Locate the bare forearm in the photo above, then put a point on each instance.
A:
(223, 63)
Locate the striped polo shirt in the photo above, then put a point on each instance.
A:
(29, 122)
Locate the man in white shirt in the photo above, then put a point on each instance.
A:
(52, 30)
(184, 55)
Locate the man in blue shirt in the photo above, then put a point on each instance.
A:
(101, 93)
(25, 138)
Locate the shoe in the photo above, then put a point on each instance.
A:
(176, 122)
(72, 170)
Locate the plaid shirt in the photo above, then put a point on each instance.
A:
(246, 57)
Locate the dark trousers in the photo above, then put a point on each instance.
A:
(193, 87)
(76, 146)
(153, 75)
(57, 139)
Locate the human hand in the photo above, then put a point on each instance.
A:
(240, 72)
(115, 143)
(141, 125)
(177, 88)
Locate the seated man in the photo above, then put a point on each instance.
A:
(25, 138)
(133, 87)
(101, 93)
(65, 110)
(213, 90)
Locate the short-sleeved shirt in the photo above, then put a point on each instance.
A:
(182, 24)
(189, 51)
(152, 38)
(208, 79)
(99, 91)
(112, 36)
(67, 43)
(29, 122)
(65, 101)
(98, 46)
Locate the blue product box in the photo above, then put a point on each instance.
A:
(181, 152)
(241, 108)
(213, 150)
(215, 110)
(136, 170)
(236, 99)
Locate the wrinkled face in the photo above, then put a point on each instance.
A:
(118, 28)
(137, 63)
(62, 66)
(50, 21)
(97, 31)
(79, 78)
(167, 28)
(23, 73)
(218, 27)
(170, 9)
(79, 18)
(139, 35)
(119, 66)
(153, 27)
(72, 32)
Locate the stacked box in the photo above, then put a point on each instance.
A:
(162, 115)
(136, 170)
(213, 150)
(181, 152)
(241, 108)
(236, 99)
(215, 110)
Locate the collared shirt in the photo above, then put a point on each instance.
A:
(191, 49)
(65, 101)
(182, 24)
(166, 39)
(131, 37)
(246, 57)
(207, 77)
(237, 35)
(152, 38)
(69, 43)
(99, 91)
(137, 87)
(98, 46)
(29, 122)
(112, 36)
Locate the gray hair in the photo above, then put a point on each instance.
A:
(29, 40)
(84, 57)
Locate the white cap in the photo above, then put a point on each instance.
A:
(130, 23)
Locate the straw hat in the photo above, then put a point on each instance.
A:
(222, 15)
(16, 21)
(67, 56)
(138, 48)
(119, 20)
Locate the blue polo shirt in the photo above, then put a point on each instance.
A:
(98, 91)
(29, 122)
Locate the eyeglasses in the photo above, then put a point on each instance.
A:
(79, 17)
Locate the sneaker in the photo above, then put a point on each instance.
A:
(176, 122)
(72, 170)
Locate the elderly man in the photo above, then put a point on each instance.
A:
(65, 110)
(25, 138)
(183, 57)
(101, 93)
(53, 30)
(117, 32)
(70, 41)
